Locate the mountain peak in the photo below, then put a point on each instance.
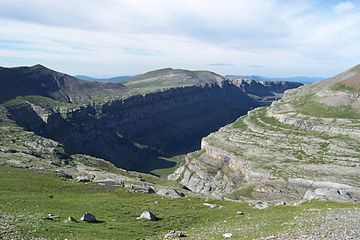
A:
(38, 66)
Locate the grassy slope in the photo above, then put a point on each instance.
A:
(164, 172)
(28, 197)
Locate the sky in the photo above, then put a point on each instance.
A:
(126, 37)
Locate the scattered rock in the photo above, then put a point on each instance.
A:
(84, 178)
(309, 195)
(329, 193)
(174, 234)
(168, 192)
(51, 217)
(228, 235)
(334, 194)
(140, 189)
(115, 182)
(260, 205)
(88, 217)
(239, 213)
(71, 219)
(211, 206)
(63, 174)
(148, 216)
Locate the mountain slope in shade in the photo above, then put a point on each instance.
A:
(305, 145)
(41, 81)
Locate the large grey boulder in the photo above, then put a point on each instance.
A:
(171, 193)
(147, 215)
(88, 217)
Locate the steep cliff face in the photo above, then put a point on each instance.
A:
(304, 145)
(164, 113)
(264, 91)
(130, 131)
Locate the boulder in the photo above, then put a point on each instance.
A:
(141, 189)
(260, 205)
(309, 195)
(227, 235)
(174, 234)
(88, 217)
(63, 174)
(239, 213)
(148, 216)
(171, 193)
(84, 178)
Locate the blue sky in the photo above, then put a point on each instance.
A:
(122, 37)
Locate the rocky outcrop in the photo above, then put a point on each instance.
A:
(302, 142)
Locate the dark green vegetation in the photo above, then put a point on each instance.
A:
(28, 197)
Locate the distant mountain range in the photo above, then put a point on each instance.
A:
(302, 79)
(112, 79)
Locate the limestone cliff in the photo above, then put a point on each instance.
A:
(307, 141)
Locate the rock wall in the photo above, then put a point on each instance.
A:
(136, 131)
(133, 132)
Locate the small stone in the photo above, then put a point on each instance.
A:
(148, 216)
(51, 216)
(211, 206)
(174, 234)
(70, 219)
(228, 235)
(239, 213)
(88, 217)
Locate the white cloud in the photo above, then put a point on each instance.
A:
(344, 6)
(228, 36)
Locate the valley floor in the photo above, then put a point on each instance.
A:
(27, 197)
